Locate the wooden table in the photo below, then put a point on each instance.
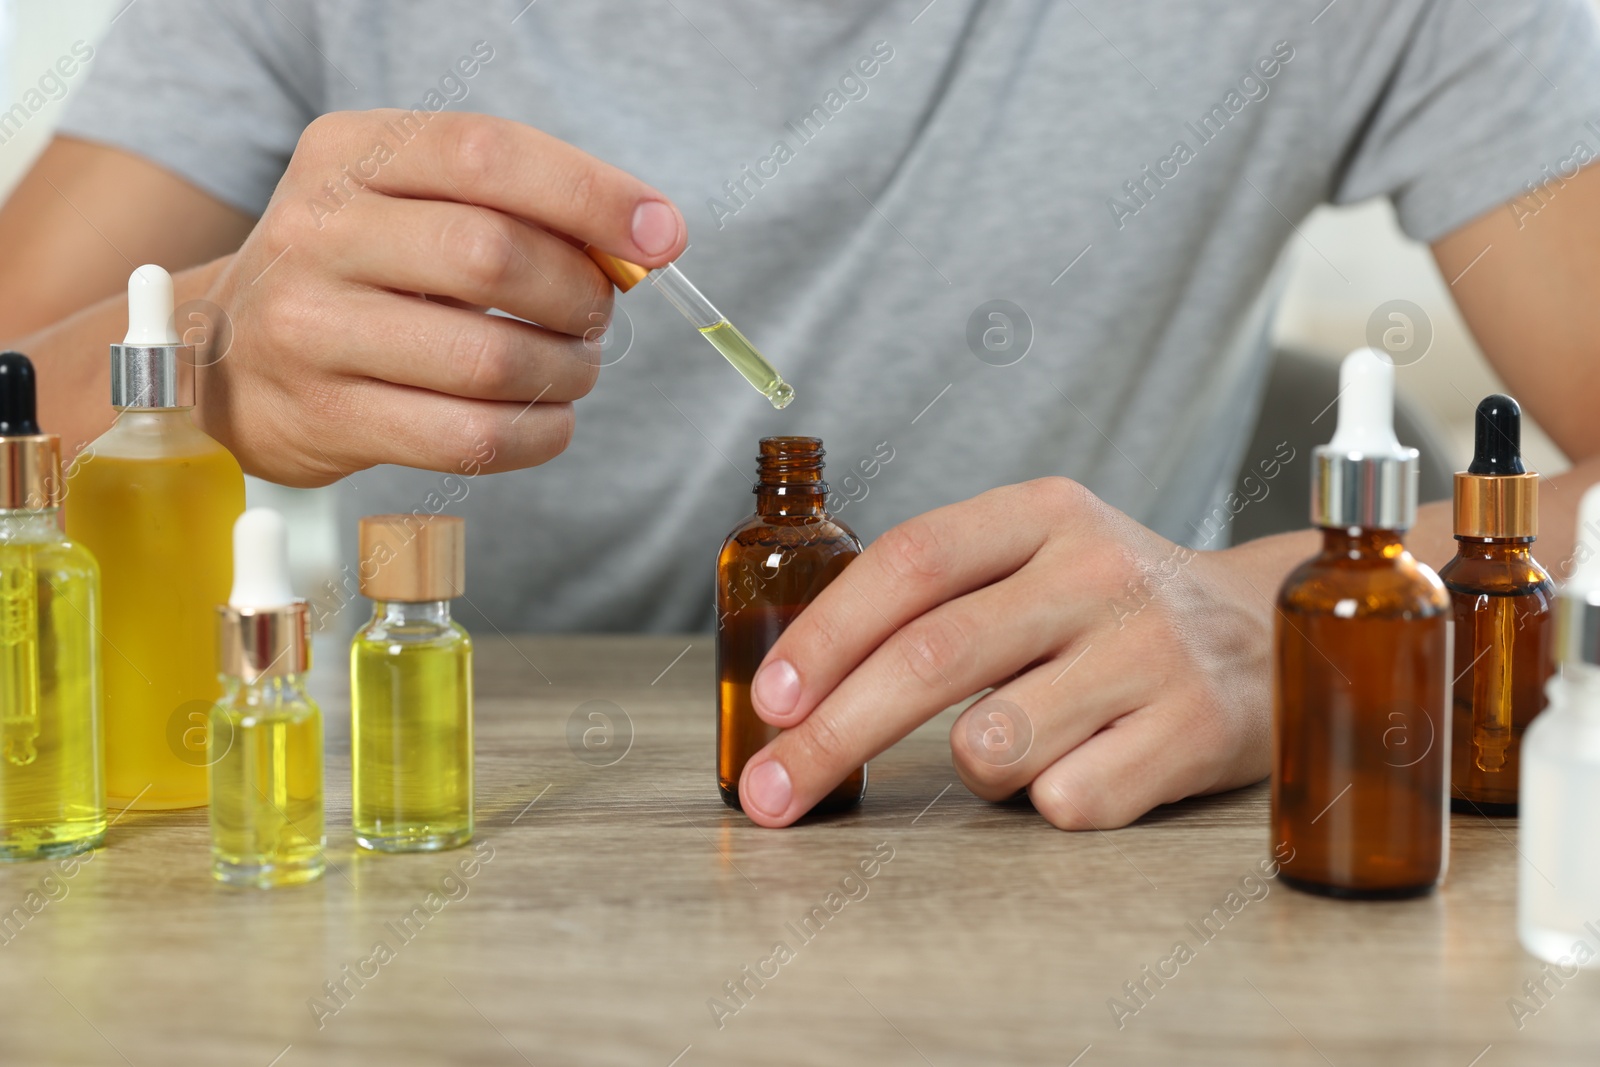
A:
(609, 904)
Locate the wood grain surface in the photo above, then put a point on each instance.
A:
(608, 905)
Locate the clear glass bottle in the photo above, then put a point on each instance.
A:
(411, 751)
(154, 498)
(1502, 600)
(1361, 729)
(52, 791)
(771, 566)
(1558, 868)
(265, 734)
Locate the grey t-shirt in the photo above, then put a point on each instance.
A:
(861, 181)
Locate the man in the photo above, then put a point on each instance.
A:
(860, 182)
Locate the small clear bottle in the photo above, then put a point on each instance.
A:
(52, 785)
(265, 733)
(411, 753)
(1502, 601)
(771, 566)
(1361, 678)
(1558, 867)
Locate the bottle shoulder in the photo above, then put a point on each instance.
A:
(147, 435)
(1394, 587)
(263, 702)
(379, 636)
(820, 533)
(1471, 575)
(58, 554)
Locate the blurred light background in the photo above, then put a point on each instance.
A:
(1347, 263)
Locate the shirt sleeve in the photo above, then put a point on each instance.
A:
(1485, 96)
(216, 91)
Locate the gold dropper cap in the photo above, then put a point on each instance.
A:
(1496, 496)
(30, 472)
(1497, 505)
(413, 558)
(623, 275)
(30, 461)
(257, 643)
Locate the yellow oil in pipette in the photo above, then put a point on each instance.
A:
(712, 324)
(748, 361)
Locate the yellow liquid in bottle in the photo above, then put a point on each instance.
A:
(52, 797)
(748, 361)
(155, 500)
(266, 785)
(411, 734)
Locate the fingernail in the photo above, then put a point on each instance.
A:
(655, 227)
(776, 688)
(767, 789)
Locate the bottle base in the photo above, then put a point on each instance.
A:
(49, 850)
(832, 804)
(268, 875)
(1555, 946)
(1463, 806)
(1340, 892)
(414, 842)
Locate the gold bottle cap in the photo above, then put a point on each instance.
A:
(623, 274)
(1497, 496)
(413, 558)
(256, 643)
(30, 472)
(1497, 505)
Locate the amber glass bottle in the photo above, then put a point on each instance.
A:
(771, 566)
(1361, 734)
(1503, 604)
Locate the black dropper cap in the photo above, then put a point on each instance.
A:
(1497, 437)
(17, 396)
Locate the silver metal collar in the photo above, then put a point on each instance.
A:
(1372, 492)
(156, 376)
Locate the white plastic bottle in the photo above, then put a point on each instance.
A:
(1558, 877)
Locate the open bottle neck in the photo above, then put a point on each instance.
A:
(1496, 549)
(29, 526)
(789, 478)
(274, 691)
(411, 613)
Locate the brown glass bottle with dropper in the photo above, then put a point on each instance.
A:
(1503, 603)
(771, 566)
(1361, 673)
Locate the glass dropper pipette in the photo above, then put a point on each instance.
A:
(712, 324)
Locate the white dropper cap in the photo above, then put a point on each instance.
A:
(151, 305)
(1364, 477)
(261, 561)
(1366, 406)
(152, 367)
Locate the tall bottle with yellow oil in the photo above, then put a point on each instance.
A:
(154, 499)
(52, 801)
